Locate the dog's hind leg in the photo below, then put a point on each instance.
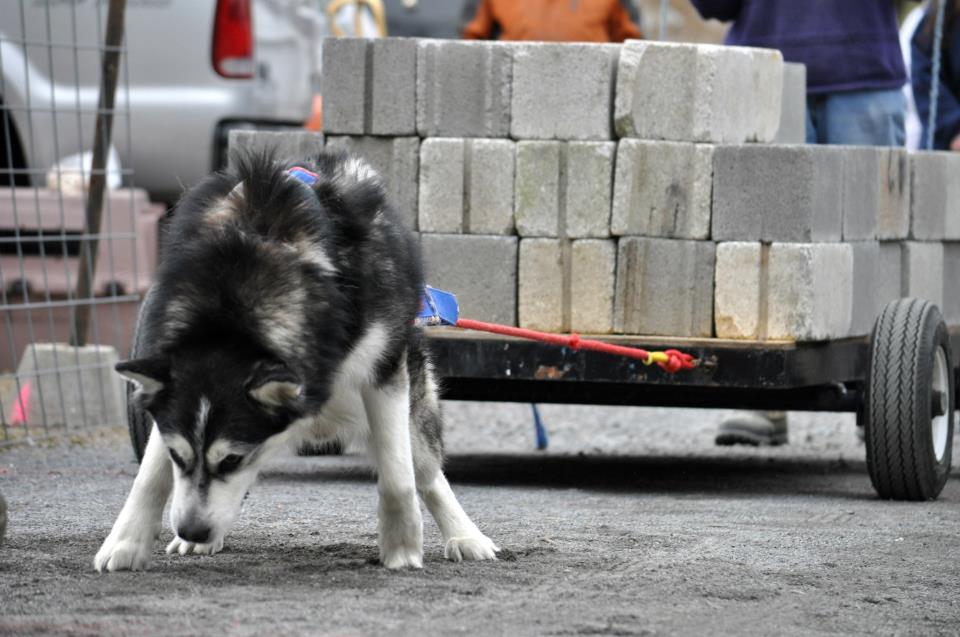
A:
(130, 542)
(462, 539)
(399, 520)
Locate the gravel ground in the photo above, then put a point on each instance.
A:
(633, 523)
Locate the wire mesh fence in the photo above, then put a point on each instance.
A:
(71, 275)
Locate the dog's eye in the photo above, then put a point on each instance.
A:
(230, 462)
(177, 459)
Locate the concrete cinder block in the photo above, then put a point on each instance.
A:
(563, 91)
(876, 282)
(951, 282)
(861, 192)
(793, 109)
(809, 291)
(292, 145)
(543, 298)
(480, 270)
(567, 285)
(777, 193)
(397, 159)
(783, 291)
(698, 93)
(463, 88)
(563, 189)
(466, 186)
(893, 207)
(65, 386)
(662, 189)
(369, 86)
(934, 191)
(664, 287)
(592, 284)
(921, 268)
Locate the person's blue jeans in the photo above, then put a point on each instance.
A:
(857, 118)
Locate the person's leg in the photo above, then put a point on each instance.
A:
(864, 118)
(814, 106)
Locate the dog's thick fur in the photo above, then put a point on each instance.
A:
(284, 314)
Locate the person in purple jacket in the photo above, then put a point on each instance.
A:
(855, 74)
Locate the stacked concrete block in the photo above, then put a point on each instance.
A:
(793, 109)
(777, 193)
(563, 189)
(921, 267)
(662, 189)
(480, 270)
(698, 93)
(934, 193)
(783, 291)
(876, 282)
(563, 91)
(397, 159)
(951, 287)
(463, 88)
(466, 186)
(369, 86)
(292, 145)
(664, 287)
(893, 206)
(567, 285)
(876, 194)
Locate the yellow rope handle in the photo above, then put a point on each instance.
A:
(375, 7)
(656, 357)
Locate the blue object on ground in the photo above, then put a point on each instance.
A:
(542, 440)
(438, 308)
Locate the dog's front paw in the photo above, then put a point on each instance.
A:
(472, 547)
(123, 554)
(186, 548)
(402, 557)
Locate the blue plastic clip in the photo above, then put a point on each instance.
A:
(437, 308)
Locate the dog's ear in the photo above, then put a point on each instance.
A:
(274, 384)
(150, 375)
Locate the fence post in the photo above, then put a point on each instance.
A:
(87, 267)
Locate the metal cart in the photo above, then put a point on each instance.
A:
(900, 381)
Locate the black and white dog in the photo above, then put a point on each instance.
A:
(284, 313)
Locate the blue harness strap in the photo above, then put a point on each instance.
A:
(303, 175)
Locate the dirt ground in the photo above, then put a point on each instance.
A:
(633, 523)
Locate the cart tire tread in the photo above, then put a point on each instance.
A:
(900, 457)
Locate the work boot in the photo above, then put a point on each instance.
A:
(757, 428)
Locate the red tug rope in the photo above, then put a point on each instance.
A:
(671, 360)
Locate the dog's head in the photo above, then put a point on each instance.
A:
(219, 415)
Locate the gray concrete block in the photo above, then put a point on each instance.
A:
(783, 291)
(480, 270)
(397, 159)
(951, 282)
(369, 86)
(868, 295)
(662, 189)
(592, 284)
(777, 193)
(543, 298)
(809, 291)
(563, 189)
(463, 88)
(793, 109)
(861, 192)
(698, 93)
(563, 91)
(893, 207)
(65, 386)
(292, 145)
(664, 287)
(921, 268)
(466, 186)
(934, 193)
(739, 295)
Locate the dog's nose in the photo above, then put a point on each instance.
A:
(194, 532)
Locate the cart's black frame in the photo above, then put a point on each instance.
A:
(816, 376)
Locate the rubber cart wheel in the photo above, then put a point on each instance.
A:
(138, 420)
(909, 404)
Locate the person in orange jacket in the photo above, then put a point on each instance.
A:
(552, 20)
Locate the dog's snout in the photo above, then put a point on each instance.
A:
(194, 532)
